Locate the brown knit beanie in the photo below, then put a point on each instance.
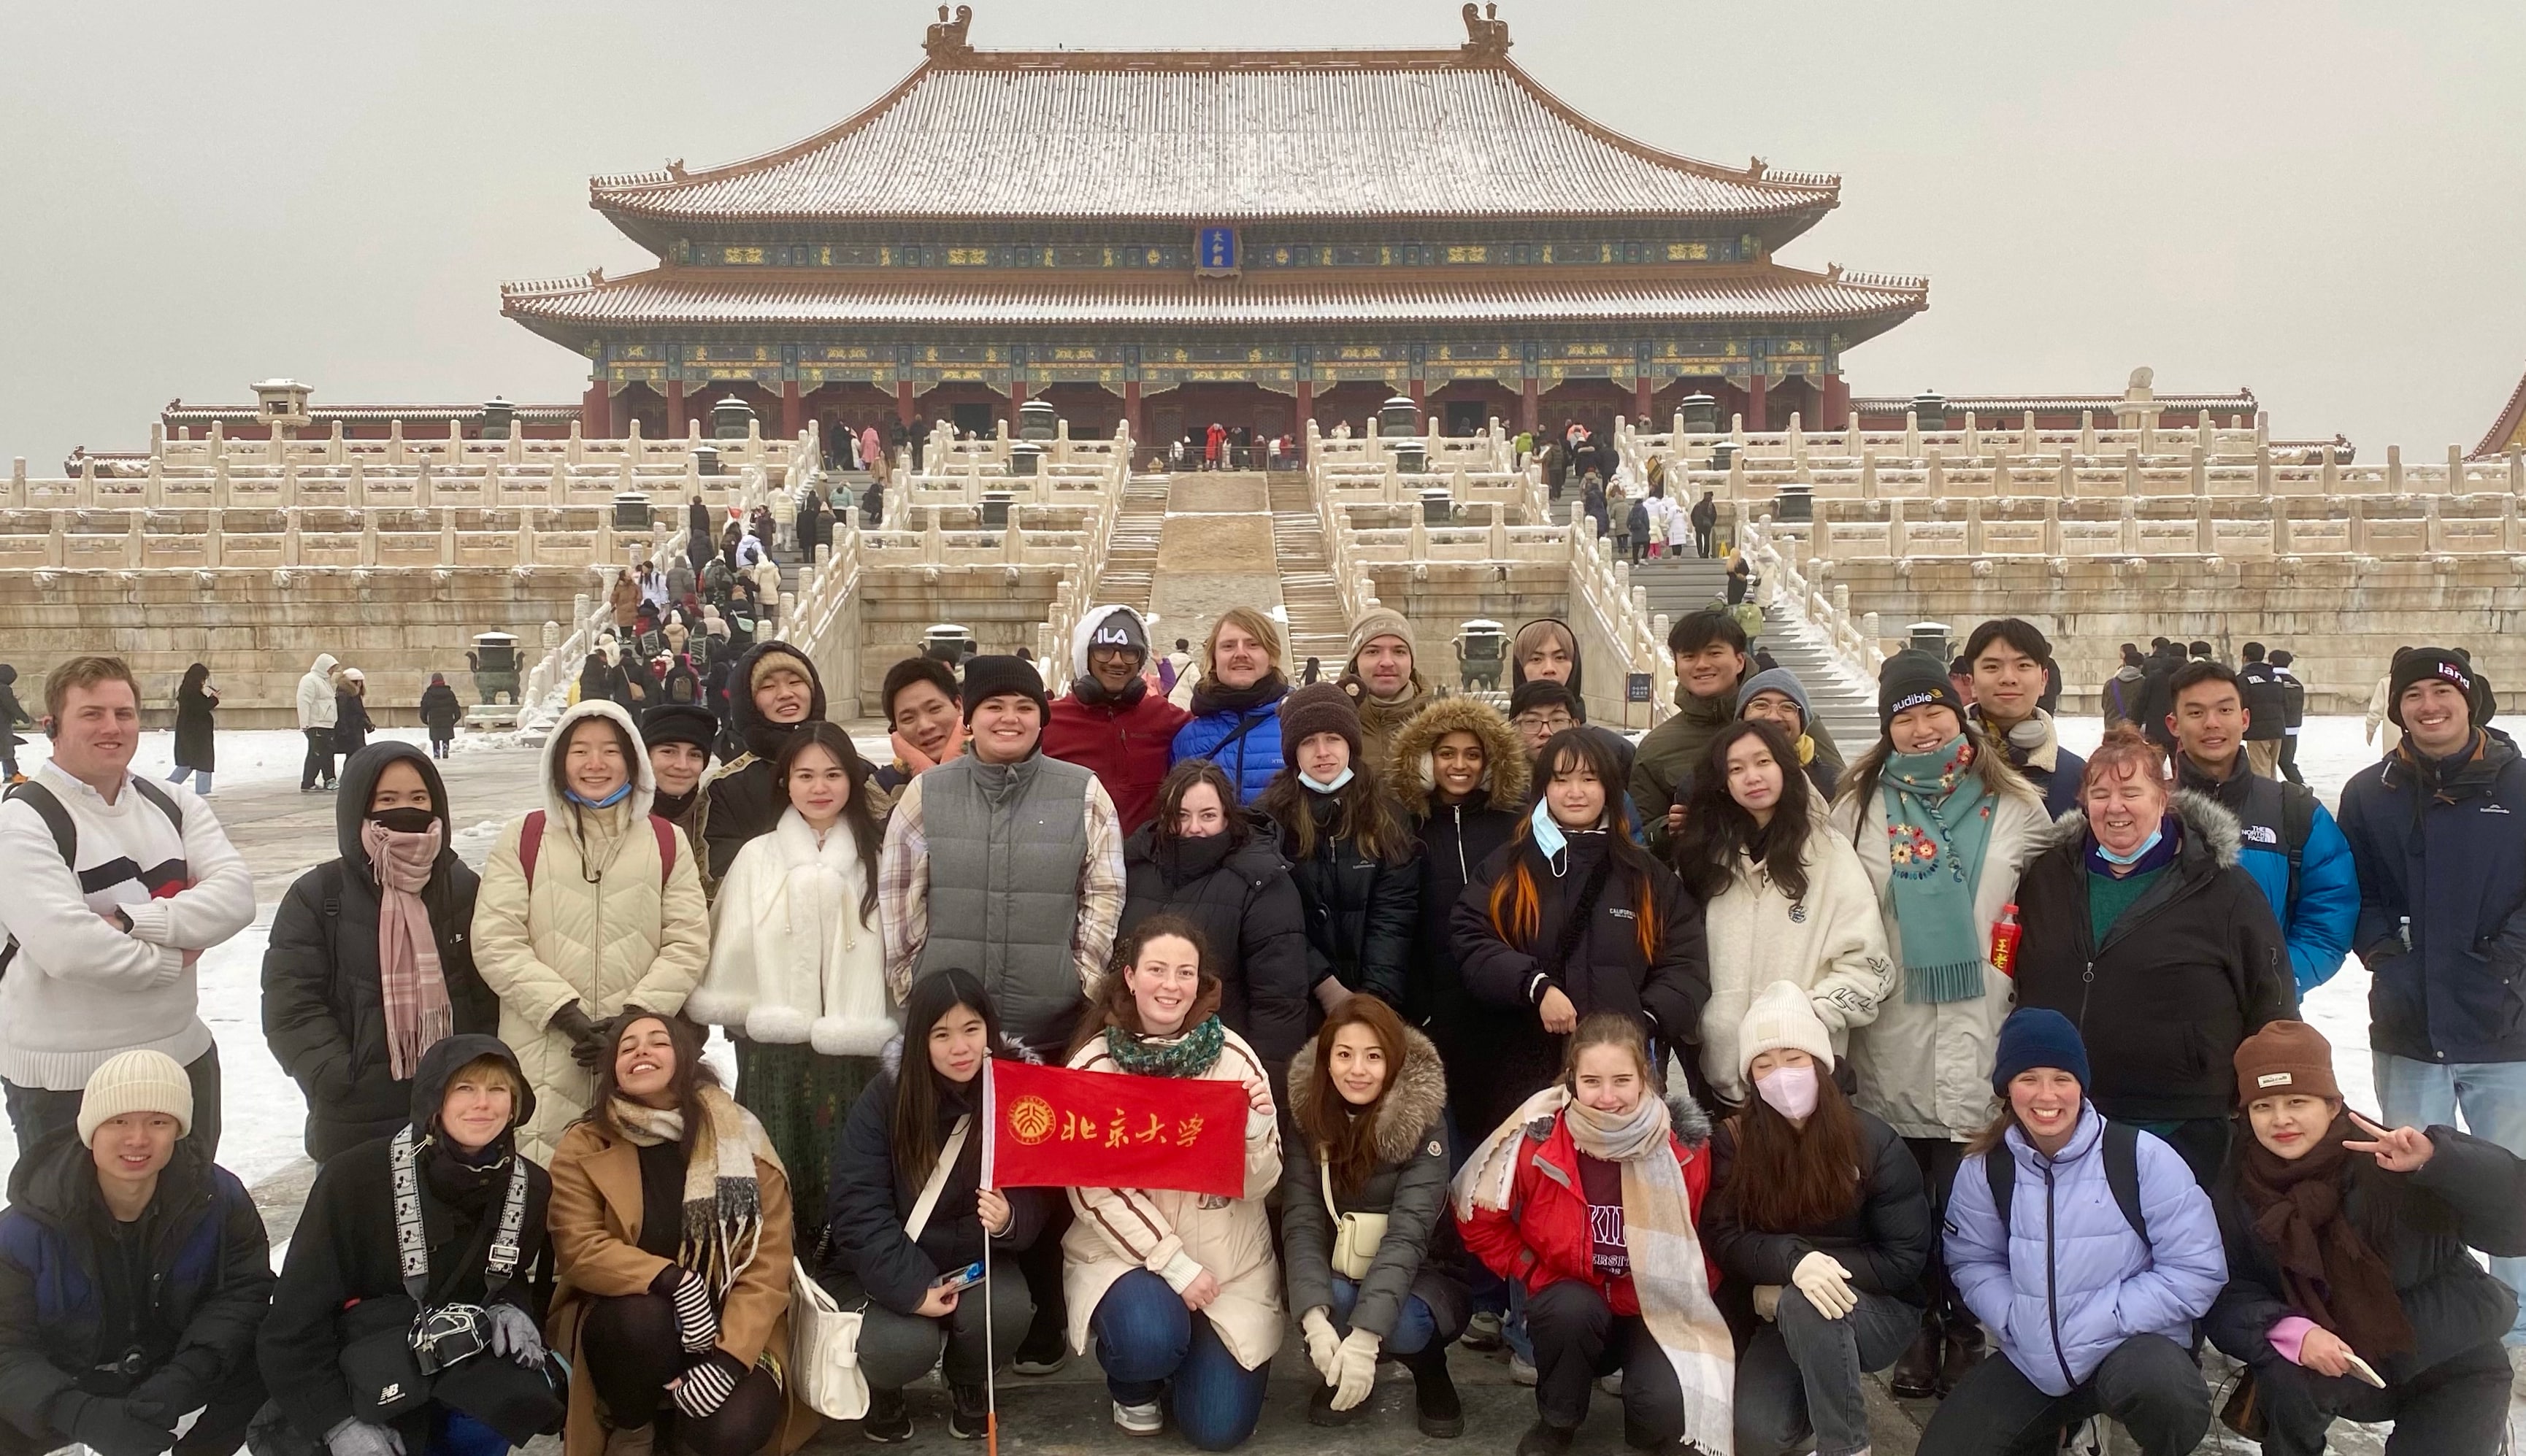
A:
(2285, 1058)
(1317, 708)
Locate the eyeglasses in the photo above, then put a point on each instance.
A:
(1537, 723)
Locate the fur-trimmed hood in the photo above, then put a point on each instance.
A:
(1414, 1100)
(2208, 827)
(1505, 771)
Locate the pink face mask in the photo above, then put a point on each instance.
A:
(1792, 1090)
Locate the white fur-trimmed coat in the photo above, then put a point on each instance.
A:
(790, 959)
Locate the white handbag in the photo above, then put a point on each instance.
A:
(824, 1337)
(1357, 1235)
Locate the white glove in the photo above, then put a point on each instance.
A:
(1821, 1278)
(1354, 1369)
(514, 1336)
(1767, 1303)
(1323, 1345)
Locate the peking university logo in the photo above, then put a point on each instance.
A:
(1031, 1119)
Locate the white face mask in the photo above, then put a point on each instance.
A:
(1345, 776)
(1792, 1090)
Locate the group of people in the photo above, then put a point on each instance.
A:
(1717, 1062)
(2140, 693)
(332, 705)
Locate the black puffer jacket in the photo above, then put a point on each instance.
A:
(441, 711)
(1605, 970)
(1251, 920)
(61, 1318)
(2470, 1195)
(744, 802)
(343, 1252)
(1885, 1241)
(324, 1009)
(2191, 970)
(867, 1205)
(1409, 1187)
(1359, 908)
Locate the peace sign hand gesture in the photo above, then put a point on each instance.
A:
(2397, 1150)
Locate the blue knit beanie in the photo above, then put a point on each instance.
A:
(2037, 1036)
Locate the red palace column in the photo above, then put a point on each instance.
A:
(790, 422)
(903, 401)
(1529, 409)
(1017, 397)
(1131, 412)
(597, 412)
(676, 425)
(1835, 409)
(1640, 406)
(1419, 407)
(1306, 411)
(1757, 416)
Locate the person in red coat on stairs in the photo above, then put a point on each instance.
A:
(1110, 723)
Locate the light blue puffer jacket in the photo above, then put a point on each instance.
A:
(2069, 1280)
(1251, 761)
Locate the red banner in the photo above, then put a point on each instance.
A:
(1055, 1128)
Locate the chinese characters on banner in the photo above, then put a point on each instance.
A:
(1055, 1128)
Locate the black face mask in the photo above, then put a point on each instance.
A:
(405, 820)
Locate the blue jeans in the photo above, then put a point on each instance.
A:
(203, 775)
(1414, 1325)
(2493, 1098)
(1145, 1338)
(452, 1432)
(1491, 1293)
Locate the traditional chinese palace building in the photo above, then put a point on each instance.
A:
(1176, 237)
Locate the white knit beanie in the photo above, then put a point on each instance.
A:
(136, 1081)
(1782, 1017)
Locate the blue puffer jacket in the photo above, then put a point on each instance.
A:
(2317, 924)
(2068, 1281)
(1250, 761)
(2444, 846)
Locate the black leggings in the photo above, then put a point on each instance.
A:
(629, 1351)
(1939, 1159)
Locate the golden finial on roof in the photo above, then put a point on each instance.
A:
(947, 39)
(1485, 33)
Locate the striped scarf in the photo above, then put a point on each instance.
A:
(722, 1218)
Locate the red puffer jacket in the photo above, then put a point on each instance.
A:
(1543, 1235)
(1125, 747)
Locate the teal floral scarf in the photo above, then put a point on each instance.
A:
(1938, 824)
(1190, 1054)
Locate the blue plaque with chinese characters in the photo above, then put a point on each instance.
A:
(1214, 250)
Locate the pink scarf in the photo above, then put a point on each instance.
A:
(408, 980)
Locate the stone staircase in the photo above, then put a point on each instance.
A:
(1132, 550)
(1316, 625)
(1849, 709)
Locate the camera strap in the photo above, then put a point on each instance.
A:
(412, 1243)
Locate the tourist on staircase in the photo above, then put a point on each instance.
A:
(1384, 678)
(2088, 1246)
(670, 1238)
(2010, 659)
(1712, 664)
(1775, 696)
(1032, 912)
(315, 720)
(1176, 1289)
(589, 904)
(371, 957)
(1820, 1229)
(907, 1206)
(1705, 523)
(1638, 537)
(102, 950)
(678, 739)
(196, 731)
(2349, 1242)
(927, 727)
(1783, 901)
(2140, 927)
(1347, 849)
(434, 1233)
(1547, 649)
(772, 692)
(1943, 825)
(2434, 831)
(1200, 857)
(135, 1274)
(1110, 723)
(1235, 703)
(1364, 1190)
(1588, 1194)
(2289, 843)
(1571, 918)
(798, 967)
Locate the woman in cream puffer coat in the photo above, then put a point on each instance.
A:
(603, 925)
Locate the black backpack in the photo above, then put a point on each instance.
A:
(58, 819)
(2122, 1175)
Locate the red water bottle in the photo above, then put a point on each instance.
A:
(2004, 941)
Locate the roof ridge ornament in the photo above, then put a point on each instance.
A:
(947, 39)
(1485, 33)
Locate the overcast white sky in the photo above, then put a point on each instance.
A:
(2322, 201)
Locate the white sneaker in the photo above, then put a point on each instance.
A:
(1519, 1369)
(1139, 1420)
(1611, 1384)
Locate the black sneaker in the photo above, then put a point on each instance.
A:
(886, 1420)
(969, 1414)
(1543, 1438)
(1043, 1352)
(1321, 1411)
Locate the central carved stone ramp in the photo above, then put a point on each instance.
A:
(1131, 551)
(1317, 627)
(1215, 551)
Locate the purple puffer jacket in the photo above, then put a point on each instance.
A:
(2069, 1280)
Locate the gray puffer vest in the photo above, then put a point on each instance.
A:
(1006, 844)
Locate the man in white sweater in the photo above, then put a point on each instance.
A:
(317, 711)
(115, 887)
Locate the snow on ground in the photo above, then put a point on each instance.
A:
(247, 754)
